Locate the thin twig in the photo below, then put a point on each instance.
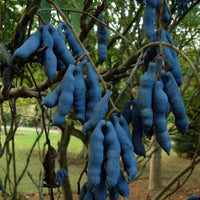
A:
(81, 175)
(46, 133)
(96, 19)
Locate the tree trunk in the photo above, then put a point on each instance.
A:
(155, 167)
(66, 132)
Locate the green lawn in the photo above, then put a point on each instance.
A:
(23, 143)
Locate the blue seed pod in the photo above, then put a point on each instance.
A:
(60, 65)
(102, 37)
(66, 97)
(96, 155)
(93, 90)
(74, 45)
(148, 22)
(153, 3)
(160, 103)
(99, 191)
(79, 93)
(125, 126)
(144, 97)
(89, 194)
(60, 30)
(51, 99)
(176, 103)
(122, 186)
(149, 56)
(113, 194)
(29, 46)
(127, 112)
(50, 60)
(137, 132)
(112, 154)
(60, 175)
(83, 191)
(194, 197)
(171, 58)
(127, 149)
(60, 48)
(98, 113)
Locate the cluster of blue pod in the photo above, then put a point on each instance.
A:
(110, 140)
(155, 95)
(152, 8)
(73, 89)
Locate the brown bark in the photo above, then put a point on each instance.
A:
(66, 132)
(155, 167)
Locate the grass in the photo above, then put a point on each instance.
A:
(25, 139)
(23, 143)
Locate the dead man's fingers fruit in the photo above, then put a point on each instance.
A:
(137, 132)
(66, 96)
(102, 37)
(127, 149)
(60, 48)
(29, 47)
(144, 97)
(93, 90)
(98, 113)
(112, 154)
(50, 60)
(51, 99)
(176, 103)
(96, 155)
(79, 94)
(160, 103)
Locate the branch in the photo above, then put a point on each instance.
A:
(21, 27)
(86, 29)
(176, 178)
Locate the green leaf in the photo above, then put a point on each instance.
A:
(46, 15)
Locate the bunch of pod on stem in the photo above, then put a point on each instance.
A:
(127, 149)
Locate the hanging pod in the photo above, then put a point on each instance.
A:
(148, 22)
(79, 92)
(122, 186)
(176, 103)
(66, 96)
(124, 125)
(171, 57)
(137, 132)
(160, 104)
(113, 194)
(83, 191)
(98, 113)
(112, 154)
(31, 45)
(50, 60)
(96, 155)
(89, 194)
(60, 47)
(144, 97)
(93, 90)
(127, 149)
(100, 190)
(127, 111)
(102, 37)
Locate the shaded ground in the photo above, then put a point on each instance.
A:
(139, 191)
